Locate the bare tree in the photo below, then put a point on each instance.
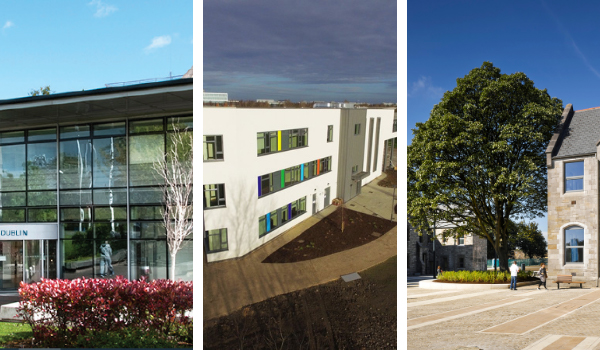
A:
(176, 172)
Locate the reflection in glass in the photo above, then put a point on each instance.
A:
(41, 215)
(12, 215)
(78, 197)
(180, 123)
(111, 253)
(147, 229)
(110, 162)
(41, 135)
(110, 196)
(109, 129)
(76, 214)
(77, 251)
(144, 150)
(12, 164)
(145, 195)
(12, 137)
(145, 126)
(41, 198)
(67, 132)
(11, 264)
(12, 199)
(149, 259)
(41, 166)
(184, 262)
(75, 164)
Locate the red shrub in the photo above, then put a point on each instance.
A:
(60, 309)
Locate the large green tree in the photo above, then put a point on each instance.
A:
(526, 237)
(479, 159)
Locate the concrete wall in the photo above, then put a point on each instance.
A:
(573, 208)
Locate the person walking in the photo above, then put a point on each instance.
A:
(543, 275)
(439, 271)
(514, 269)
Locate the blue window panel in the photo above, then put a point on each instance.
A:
(259, 187)
(289, 211)
(574, 237)
(574, 169)
(302, 172)
(574, 185)
(268, 222)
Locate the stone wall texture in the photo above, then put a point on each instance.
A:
(577, 208)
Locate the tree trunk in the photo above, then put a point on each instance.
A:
(172, 267)
(503, 257)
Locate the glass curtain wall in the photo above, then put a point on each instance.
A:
(102, 176)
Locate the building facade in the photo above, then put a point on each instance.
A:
(451, 254)
(266, 170)
(572, 161)
(76, 177)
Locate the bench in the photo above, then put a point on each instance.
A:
(566, 279)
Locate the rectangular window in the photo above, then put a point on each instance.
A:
(281, 140)
(461, 262)
(355, 169)
(269, 222)
(216, 240)
(214, 196)
(461, 241)
(213, 147)
(356, 129)
(330, 133)
(284, 178)
(395, 126)
(574, 176)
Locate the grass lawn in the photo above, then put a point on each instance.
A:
(11, 331)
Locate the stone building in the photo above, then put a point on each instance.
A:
(465, 253)
(572, 160)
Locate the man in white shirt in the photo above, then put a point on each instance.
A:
(513, 275)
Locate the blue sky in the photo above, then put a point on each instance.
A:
(301, 50)
(75, 45)
(556, 44)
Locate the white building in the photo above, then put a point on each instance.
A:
(216, 97)
(266, 170)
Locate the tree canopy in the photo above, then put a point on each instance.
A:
(479, 162)
(526, 237)
(42, 91)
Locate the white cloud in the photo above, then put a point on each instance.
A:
(102, 9)
(158, 42)
(8, 24)
(424, 87)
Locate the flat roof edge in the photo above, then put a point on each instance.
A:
(99, 91)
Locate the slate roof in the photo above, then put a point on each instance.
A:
(582, 135)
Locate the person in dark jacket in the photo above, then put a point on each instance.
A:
(543, 275)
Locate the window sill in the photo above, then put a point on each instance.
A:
(216, 207)
(574, 265)
(213, 160)
(216, 251)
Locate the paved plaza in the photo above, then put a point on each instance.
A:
(527, 318)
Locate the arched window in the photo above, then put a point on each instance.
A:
(574, 244)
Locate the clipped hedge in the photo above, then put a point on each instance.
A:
(60, 310)
(482, 276)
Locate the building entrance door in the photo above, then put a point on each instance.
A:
(27, 261)
(11, 264)
(326, 202)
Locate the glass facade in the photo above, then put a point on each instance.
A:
(97, 183)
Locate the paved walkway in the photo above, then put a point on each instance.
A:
(231, 284)
(528, 319)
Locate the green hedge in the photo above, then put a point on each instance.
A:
(481, 276)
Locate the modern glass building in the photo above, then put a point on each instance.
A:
(76, 176)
